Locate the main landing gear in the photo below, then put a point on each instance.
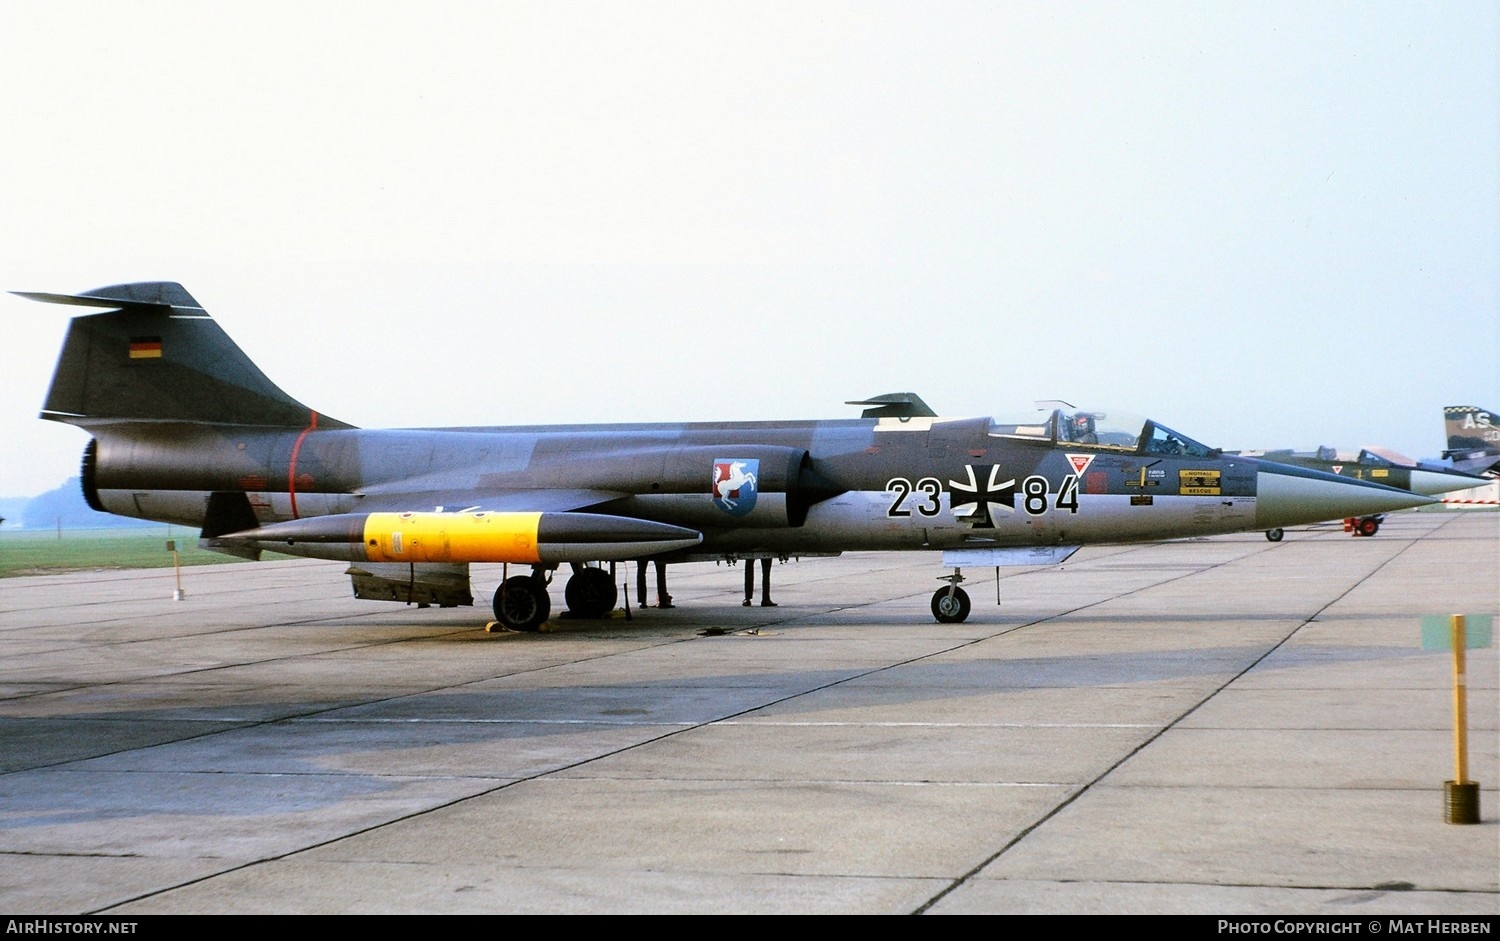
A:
(591, 592)
(950, 605)
(523, 604)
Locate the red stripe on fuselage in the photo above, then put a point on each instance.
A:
(291, 469)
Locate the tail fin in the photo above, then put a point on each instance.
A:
(1471, 428)
(157, 355)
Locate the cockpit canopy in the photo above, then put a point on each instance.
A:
(1092, 429)
(1365, 457)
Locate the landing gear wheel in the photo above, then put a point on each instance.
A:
(1367, 526)
(1274, 535)
(522, 603)
(590, 593)
(950, 605)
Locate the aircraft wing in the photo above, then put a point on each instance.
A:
(1478, 464)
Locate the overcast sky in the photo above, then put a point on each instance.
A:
(1268, 224)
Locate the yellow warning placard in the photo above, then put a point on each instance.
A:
(1202, 483)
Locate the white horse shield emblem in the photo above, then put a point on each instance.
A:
(734, 487)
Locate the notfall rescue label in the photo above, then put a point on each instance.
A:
(1200, 483)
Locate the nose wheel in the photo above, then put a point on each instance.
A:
(951, 605)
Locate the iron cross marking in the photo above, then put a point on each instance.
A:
(982, 496)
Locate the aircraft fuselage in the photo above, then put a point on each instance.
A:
(824, 486)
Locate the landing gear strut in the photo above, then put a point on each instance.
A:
(951, 605)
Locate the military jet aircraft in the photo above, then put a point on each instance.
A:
(1473, 439)
(1389, 468)
(1473, 446)
(187, 430)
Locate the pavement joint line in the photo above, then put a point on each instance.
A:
(1087, 786)
(399, 705)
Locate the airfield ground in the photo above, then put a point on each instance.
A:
(1220, 726)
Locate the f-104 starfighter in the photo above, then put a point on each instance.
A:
(187, 430)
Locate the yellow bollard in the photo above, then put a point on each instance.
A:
(1460, 796)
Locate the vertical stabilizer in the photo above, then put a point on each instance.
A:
(1471, 428)
(157, 355)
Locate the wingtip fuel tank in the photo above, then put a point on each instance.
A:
(472, 536)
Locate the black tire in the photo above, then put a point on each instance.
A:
(1274, 535)
(1367, 526)
(522, 603)
(950, 606)
(590, 593)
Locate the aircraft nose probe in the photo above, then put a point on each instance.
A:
(1286, 495)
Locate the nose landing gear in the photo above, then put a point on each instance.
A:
(951, 605)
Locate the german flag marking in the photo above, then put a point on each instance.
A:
(145, 347)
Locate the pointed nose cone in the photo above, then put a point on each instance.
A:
(1291, 496)
(1434, 482)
